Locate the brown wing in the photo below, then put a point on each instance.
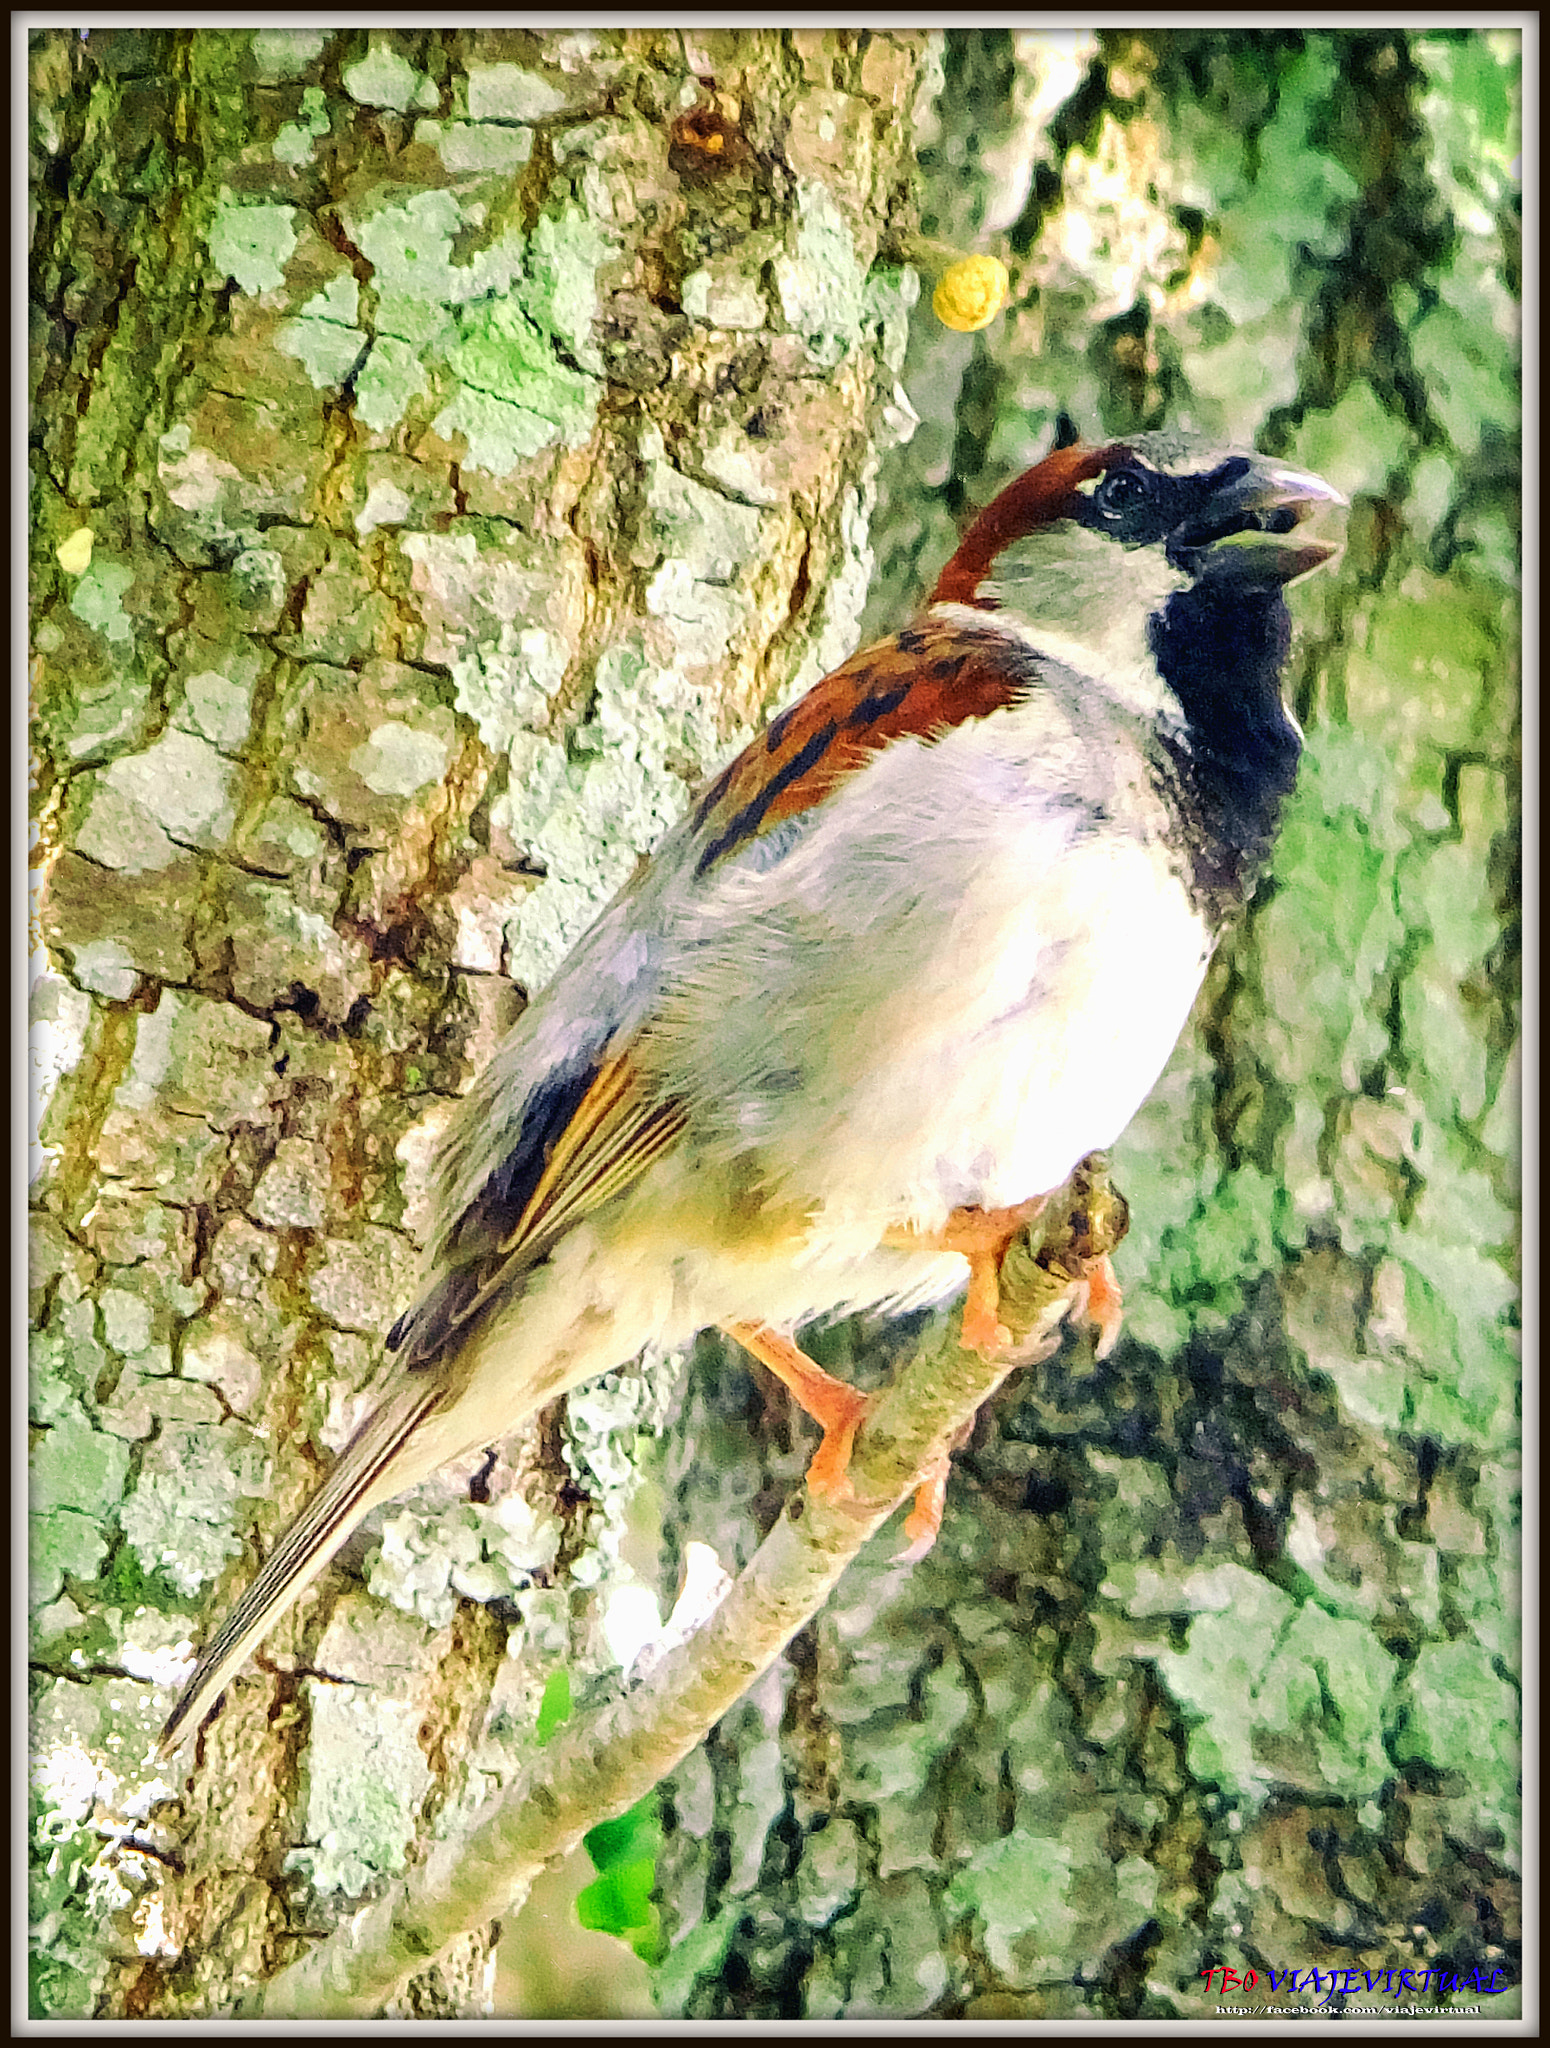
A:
(924, 681)
(584, 1139)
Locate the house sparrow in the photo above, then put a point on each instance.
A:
(924, 944)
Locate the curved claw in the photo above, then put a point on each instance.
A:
(981, 1236)
(924, 1521)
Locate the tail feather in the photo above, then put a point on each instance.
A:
(354, 1486)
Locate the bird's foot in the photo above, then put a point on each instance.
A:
(836, 1407)
(923, 1523)
(840, 1409)
(983, 1237)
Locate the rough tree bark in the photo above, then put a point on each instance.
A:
(445, 445)
(472, 433)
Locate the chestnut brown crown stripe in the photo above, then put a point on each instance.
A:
(1039, 496)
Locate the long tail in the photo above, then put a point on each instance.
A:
(369, 1469)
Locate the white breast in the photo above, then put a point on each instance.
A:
(968, 974)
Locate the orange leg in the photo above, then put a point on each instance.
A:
(982, 1237)
(924, 1521)
(834, 1406)
(839, 1408)
(1105, 1304)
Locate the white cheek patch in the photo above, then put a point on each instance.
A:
(1097, 625)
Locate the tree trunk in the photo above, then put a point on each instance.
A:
(446, 445)
(1216, 1663)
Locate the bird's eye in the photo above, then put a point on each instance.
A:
(1122, 491)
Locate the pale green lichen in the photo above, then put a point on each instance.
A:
(77, 1467)
(517, 396)
(201, 1057)
(500, 433)
(726, 296)
(471, 146)
(217, 1353)
(220, 707)
(97, 600)
(410, 248)
(324, 336)
(497, 321)
(279, 945)
(890, 297)
(295, 141)
(505, 92)
(431, 1557)
(588, 819)
(126, 1321)
(121, 834)
(251, 241)
(398, 759)
(1279, 1692)
(61, 1542)
(106, 967)
(822, 281)
(586, 816)
(706, 539)
(409, 245)
(359, 1280)
(1019, 1884)
(223, 502)
(179, 792)
(258, 582)
(507, 691)
(366, 1777)
(393, 377)
(192, 477)
(284, 52)
(59, 1016)
(830, 1873)
(386, 505)
(475, 595)
(292, 1191)
(560, 286)
(368, 1715)
(1456, 1713)
(712, 536)
(383, 78)
(181, 1518)
(413, 1566)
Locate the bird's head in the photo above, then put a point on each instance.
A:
(1154, 565)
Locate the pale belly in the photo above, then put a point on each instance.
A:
(981, 1105)
(1003, 1108)
(1060, 1076)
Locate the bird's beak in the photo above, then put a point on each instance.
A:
(1247, 533)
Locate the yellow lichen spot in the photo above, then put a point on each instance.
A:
(74, 555)
(971, 293)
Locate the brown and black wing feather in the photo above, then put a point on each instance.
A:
(585, 1137)
(306, 1546)
(931, 677)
